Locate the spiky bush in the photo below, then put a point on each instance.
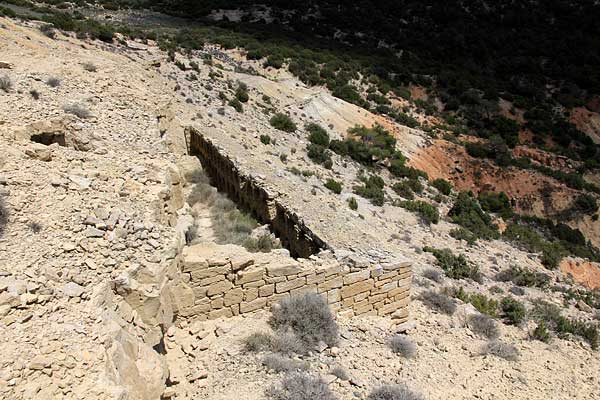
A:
(484, 326)
(308, 316)
(439, 302)
(78, 110)
(300, 386)
(403, 346)
(3, 215)
(394, 392)
(5, 83)
(503, 350)
(278, 363)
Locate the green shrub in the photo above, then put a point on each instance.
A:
(415, 185)
(586, 203)
(334, 186)
(403, 189)
(496, 203)
(463, 234)
(455, 267)
(352, 204)
(513, 310)
(427, 211)
(282, 122)
(265, 139)
(442, 185)
(481, 302)
(241, 93)
(372, 189)
(308, 316)
(550, 314)
(235, 103)
(524, 277)
(317, 135)
(366, 145)
(467, 213)
(541, 332)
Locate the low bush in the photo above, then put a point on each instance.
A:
(300, 386)
(467, 213)
(428, 212)
(5, 83)
(455, 267)
(484, 326)
(464, 234)
(281, 342)
(372, 189)
(403, 346)
(237, 105)
(278, 363)
(495, 203)
(403, 189)
(89, 67)
(241, 93)
(352, 204)
(503, 350)
(434, 275)
(541, 332)
(78, 110)
(317, 135)
(53, 82)
(265, 139)
(308, 316)
(282, 122)
(550, 314)
(514, 311)
(481, 302)
(334, 186)
(394, 392)
(35, 227)
(263, 244)
(258, 341)
(318, 154)
(35, 94)
(439, 302)
(442, 185)
(524, 277)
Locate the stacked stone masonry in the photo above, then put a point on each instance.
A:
(220, 286)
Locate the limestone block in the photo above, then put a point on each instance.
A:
(221, 313)
(234, 296)
(266, 290)
(283, 270)
(250, 294)
(219, 288)
(289, 285)
(333, 283)
(253, 305)
(357, 277)
(356, 288)
(249, 276)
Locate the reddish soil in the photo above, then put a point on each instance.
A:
(585, 273)
(587, 121)
(532, 192)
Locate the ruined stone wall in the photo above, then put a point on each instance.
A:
(217, 284)
(248, 194)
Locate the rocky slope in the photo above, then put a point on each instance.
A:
(90, 293)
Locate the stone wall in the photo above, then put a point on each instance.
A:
(250, 195)
(223, 281)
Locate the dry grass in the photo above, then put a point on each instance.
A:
(403, 346)
(503, 350)
(300, 386)
(394, 392)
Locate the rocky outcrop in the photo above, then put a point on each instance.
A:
(584, 272)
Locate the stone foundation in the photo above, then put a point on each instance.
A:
(223, 281)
